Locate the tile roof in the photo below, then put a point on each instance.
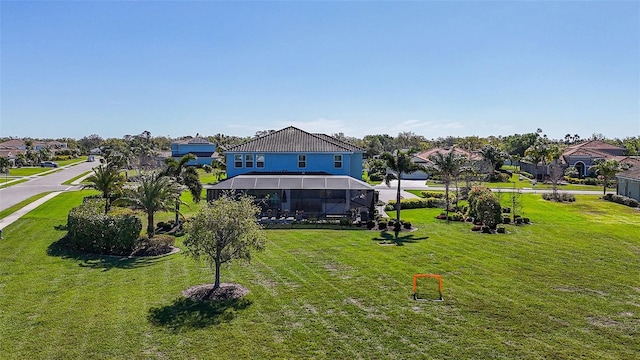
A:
(592, 145)
(13, 143)
(292, 139)
(632, 173)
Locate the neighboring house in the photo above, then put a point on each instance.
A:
(582, 156)
(198, 146)
(37, 145)
(423, 159)
(629, 183)
(10, 154)
(294, 171)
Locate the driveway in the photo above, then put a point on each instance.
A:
(12, 195)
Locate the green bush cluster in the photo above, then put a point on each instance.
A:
(157, 245)
(90, 230)
(433, 194)
(622, 200)
(484, 206)
(499, 177)
(414, 203)
(561, 197)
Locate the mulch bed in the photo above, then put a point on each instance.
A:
(226, 291)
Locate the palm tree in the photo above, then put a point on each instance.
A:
(184, 175)
(398, 164)
(494, 156)
(607, 169)
(538, 153)
(107, 180)
(219, 166)
(449, 165)
(154, 193)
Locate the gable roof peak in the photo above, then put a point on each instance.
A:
(292, 139)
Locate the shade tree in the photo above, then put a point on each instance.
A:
(223, 231)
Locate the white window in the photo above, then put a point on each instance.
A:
(260, 161)
(337, 161)
(248, 160)
(302, 161)
(237, 160)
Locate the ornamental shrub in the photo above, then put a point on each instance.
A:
(484, 206)
(345, 221)
(157, 245)
(407, 225)
(382, 225)
(432, 194)
(90, 230)
(415, 203)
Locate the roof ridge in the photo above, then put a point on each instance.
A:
(278, 135)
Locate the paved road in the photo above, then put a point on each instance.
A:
(12, 195)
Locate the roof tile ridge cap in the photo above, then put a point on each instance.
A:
(260, 137)
(336, 142)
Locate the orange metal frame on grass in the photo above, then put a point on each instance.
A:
(415, 284)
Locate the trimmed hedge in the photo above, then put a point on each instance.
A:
(90, 230)
(433, 194)
(414, 204)
(622, 200)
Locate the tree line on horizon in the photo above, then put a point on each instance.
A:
(374, 145)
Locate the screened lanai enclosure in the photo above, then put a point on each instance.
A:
(302, 196)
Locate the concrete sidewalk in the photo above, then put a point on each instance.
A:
(10, 219)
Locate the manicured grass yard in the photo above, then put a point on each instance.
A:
(28, 171)
(565, 287)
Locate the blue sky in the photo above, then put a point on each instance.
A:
(71, 69)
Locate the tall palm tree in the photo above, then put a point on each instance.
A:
(449, 165)
(154, 193)
(607, 169)
(494, 156)
(539, 153)
(219, 166)
(184, 175)
(398, 164)
(109, 181)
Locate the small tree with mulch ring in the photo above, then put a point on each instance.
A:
(222, 231)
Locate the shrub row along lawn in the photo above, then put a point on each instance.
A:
(566, 286)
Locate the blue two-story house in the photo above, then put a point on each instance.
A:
(298, 172)
(200, 147)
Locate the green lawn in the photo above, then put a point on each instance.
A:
(209, 178)
(10, 210)
(521, 184)
(28, 171)
(72, 161)
(565, 287)
(5, 184)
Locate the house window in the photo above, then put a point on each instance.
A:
(248, 160)
(337, 161)
(302, 161)
(237, 160)
(260, 161)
